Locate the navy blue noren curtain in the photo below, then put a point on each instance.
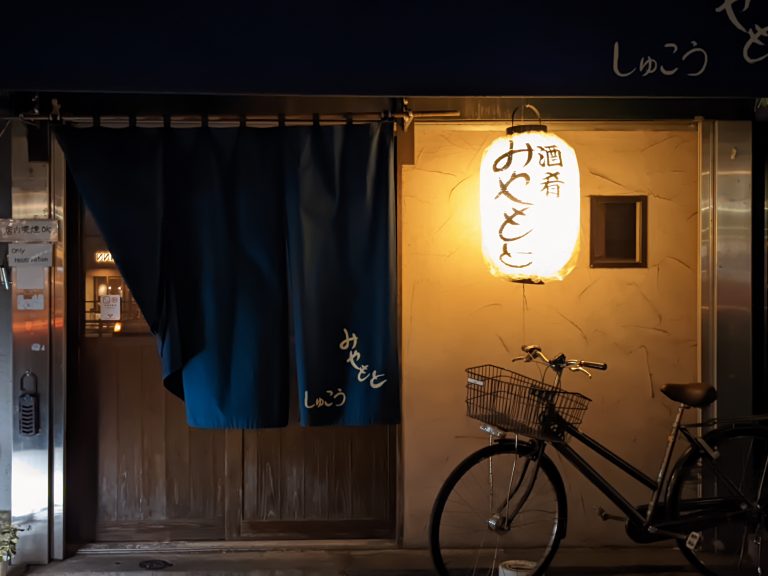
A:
(341, 231)
(218, 231)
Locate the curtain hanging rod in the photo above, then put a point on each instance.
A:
(407, 117)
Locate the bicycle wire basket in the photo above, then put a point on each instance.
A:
(522, 405)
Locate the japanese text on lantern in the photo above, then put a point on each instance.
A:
(516, 223)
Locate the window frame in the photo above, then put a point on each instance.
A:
(597, 240)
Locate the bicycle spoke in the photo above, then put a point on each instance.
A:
(524, 506)
(744, 539)
(761, 485)
(733, 545)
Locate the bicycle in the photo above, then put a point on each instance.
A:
(506, 502)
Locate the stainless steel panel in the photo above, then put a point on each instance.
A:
(31, 348)
(58, 351)
(733, 267)
(707, 337)
(6, 395)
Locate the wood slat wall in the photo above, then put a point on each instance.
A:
(158, 479)
(339, 480)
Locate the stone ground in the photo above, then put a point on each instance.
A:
(339, 560)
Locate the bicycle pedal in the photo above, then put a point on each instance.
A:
(693, 540)
(604, 516)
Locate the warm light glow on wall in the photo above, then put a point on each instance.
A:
(529, 205)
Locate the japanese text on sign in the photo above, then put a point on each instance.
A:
(754, 49)
(673, 60)
(334, 399)
(354, 359)
(692, 59)
(15, 230)
(337, 398)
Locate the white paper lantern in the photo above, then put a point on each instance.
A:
(529, 205)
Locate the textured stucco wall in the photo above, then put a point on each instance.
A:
(643, 322)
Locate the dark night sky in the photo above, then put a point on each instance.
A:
(559, 47)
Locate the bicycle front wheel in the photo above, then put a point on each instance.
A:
(732, 489)
(503, 503)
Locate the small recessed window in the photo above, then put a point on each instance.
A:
(619, 232)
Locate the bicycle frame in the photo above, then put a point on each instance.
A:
(705, 500)
(707, 509)
(629, 510)
(710, 509)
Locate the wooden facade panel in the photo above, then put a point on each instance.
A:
(318, 456)
(101, 382)
(161, 480)
(340, 474)
(220, 472)
(176, 458)
(313, 529)
(206, 471)
(234, 480)
(165, 531)
(363, 461)
(153, 480)
(373, 496)
(157, 477)
(291, 473)
(262, 478)
(296, 480)
(129, 401)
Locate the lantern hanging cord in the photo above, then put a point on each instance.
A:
(522, 127)
(524, 303)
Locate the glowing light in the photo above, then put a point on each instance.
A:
(118, 327)
(103, 257)
(529, 206)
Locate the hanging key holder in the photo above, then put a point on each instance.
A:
(29, 405)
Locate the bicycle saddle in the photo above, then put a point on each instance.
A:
(695, 394)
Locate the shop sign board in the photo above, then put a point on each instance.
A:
(705, 48)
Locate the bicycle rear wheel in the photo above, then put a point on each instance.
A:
(733, 488)
(500, 504)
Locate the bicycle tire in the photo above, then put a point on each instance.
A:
(733, 547)
(459, 528)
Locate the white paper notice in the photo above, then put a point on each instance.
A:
(30, 255)
(35, 302)
(30, 278)
(110, 308)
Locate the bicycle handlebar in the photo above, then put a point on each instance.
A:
(595, 365)
(560, 362)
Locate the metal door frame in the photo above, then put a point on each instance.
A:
(725, 218)
(38, 346)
